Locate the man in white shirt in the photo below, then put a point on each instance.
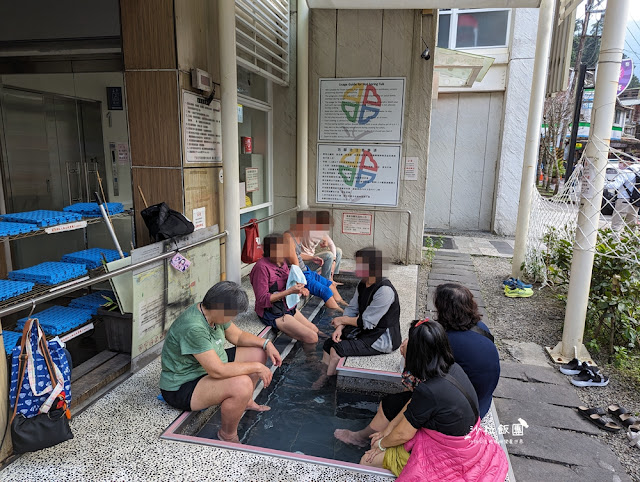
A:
(624, 212)
(319, 238)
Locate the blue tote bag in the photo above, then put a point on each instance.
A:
(38, 390)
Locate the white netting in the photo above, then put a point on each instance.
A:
(555, 219)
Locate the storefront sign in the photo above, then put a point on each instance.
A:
(251, 179)
(66, 227)
(410, 168)
(201, 129)
(361, 109)
(356, 223)
(626, 72)
(199, 218)
(362, 174)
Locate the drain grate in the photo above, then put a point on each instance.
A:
(440, 242)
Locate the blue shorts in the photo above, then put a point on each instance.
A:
(269, 317)
(318, 285)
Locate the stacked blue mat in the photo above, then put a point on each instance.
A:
(92, 301)
(59, 319)
(11, 229)
(9, 289)
(92, 210)
(49, 273)
(92, 258)
(11, 339)
(42, 217)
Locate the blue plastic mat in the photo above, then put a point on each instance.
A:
(49, 273)
(93, 209)
(9, 289)
(59, 319)
(92, 301)
(11, 339)
(42, 217)
(11, 229)
(92, 258)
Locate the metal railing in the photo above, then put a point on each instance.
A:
(295, 208)
(58, 292)
(376, 210)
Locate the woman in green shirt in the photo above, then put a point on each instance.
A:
(197, 372)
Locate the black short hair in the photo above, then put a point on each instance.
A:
(323, 217)
(428, 353)
(305, 216)
(269, 242)
(457, 310)
(372, 257)
(227, 296)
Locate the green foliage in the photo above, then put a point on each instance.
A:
(613, 312)
(110, 305)
(430, 246)
(635, 82)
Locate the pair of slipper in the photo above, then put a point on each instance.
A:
(600, 419)
(584, 375)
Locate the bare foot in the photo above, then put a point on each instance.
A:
(252, 405)
(349, 437)
(225, 438)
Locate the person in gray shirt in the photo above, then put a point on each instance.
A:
(624, 213)
(370, 324)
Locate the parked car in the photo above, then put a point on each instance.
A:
(609, 195)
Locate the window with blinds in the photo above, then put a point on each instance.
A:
(262, 38)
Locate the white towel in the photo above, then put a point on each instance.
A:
(295, 276)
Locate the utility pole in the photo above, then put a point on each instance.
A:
(596, 160)
(577, 106)
(532, 143)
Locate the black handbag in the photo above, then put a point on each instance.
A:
(45, 429)
(165, 223)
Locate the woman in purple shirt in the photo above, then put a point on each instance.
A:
(269, 280)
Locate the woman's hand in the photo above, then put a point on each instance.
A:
(317, 260)
(375, 437)
(295, 289)
(337, 321)
(305, 292)
(265, 374)
(371, 454)
(337, 335)
(273, 354)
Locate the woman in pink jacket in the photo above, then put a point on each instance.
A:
(431, 431)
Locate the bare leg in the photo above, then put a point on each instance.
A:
(252, 354)
(334, 358)
(295, 329)
(361, 437)
(376, 462)
(304, 322)
(337, 296)
(333, 305)
(232, 394)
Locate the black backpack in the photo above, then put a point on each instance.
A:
(164, 223)
(634, 195)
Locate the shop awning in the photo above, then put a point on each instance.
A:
(460, 69)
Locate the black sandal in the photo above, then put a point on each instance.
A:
(595, 416)
(623, 414)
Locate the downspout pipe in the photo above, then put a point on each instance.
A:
(536, 107)
(230, 160)
(302, 115)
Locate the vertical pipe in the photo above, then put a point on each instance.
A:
(576, 120)
(302, 60)
(596, 153)
(230, 160)
(536, 106)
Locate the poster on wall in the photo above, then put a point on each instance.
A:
(364, 174)
(361, 109)
(357, 223)
(202, 129)
(251, 177)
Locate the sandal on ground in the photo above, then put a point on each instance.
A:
(635, 428)
(623, 414)
(634, 438)
(590, 377)
(595, 416)
(574, 367)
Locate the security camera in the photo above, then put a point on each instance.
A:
(426, 54)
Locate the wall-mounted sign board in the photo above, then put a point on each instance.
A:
(361, 109)
(201, 129)
(358, 174)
